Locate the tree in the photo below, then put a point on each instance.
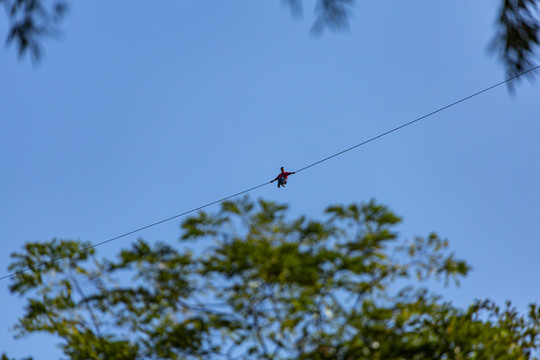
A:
(516, 39)
(259, 285)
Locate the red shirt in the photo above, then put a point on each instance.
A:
(284, 174)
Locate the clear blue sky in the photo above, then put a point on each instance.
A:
(141, 111)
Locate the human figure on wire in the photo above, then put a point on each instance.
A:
(282, 177)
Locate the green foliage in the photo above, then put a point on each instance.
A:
(259, 285)
(4, 357)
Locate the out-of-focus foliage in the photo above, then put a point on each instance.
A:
(332, 14)
(30, 21)
(515, 41)
(260, 285)
(517, 38)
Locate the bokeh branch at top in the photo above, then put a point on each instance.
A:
(29, 21)
(332, 14)
(516, 39)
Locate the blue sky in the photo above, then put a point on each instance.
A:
(142, 111)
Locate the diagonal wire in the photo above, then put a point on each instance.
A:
(421, 118)
(266, 183)
(133, 231)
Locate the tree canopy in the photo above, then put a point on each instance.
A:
(250, 282)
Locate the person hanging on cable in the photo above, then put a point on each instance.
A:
(282, 177)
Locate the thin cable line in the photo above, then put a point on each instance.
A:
(132, 232)
(266, 183)
(420, 118)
